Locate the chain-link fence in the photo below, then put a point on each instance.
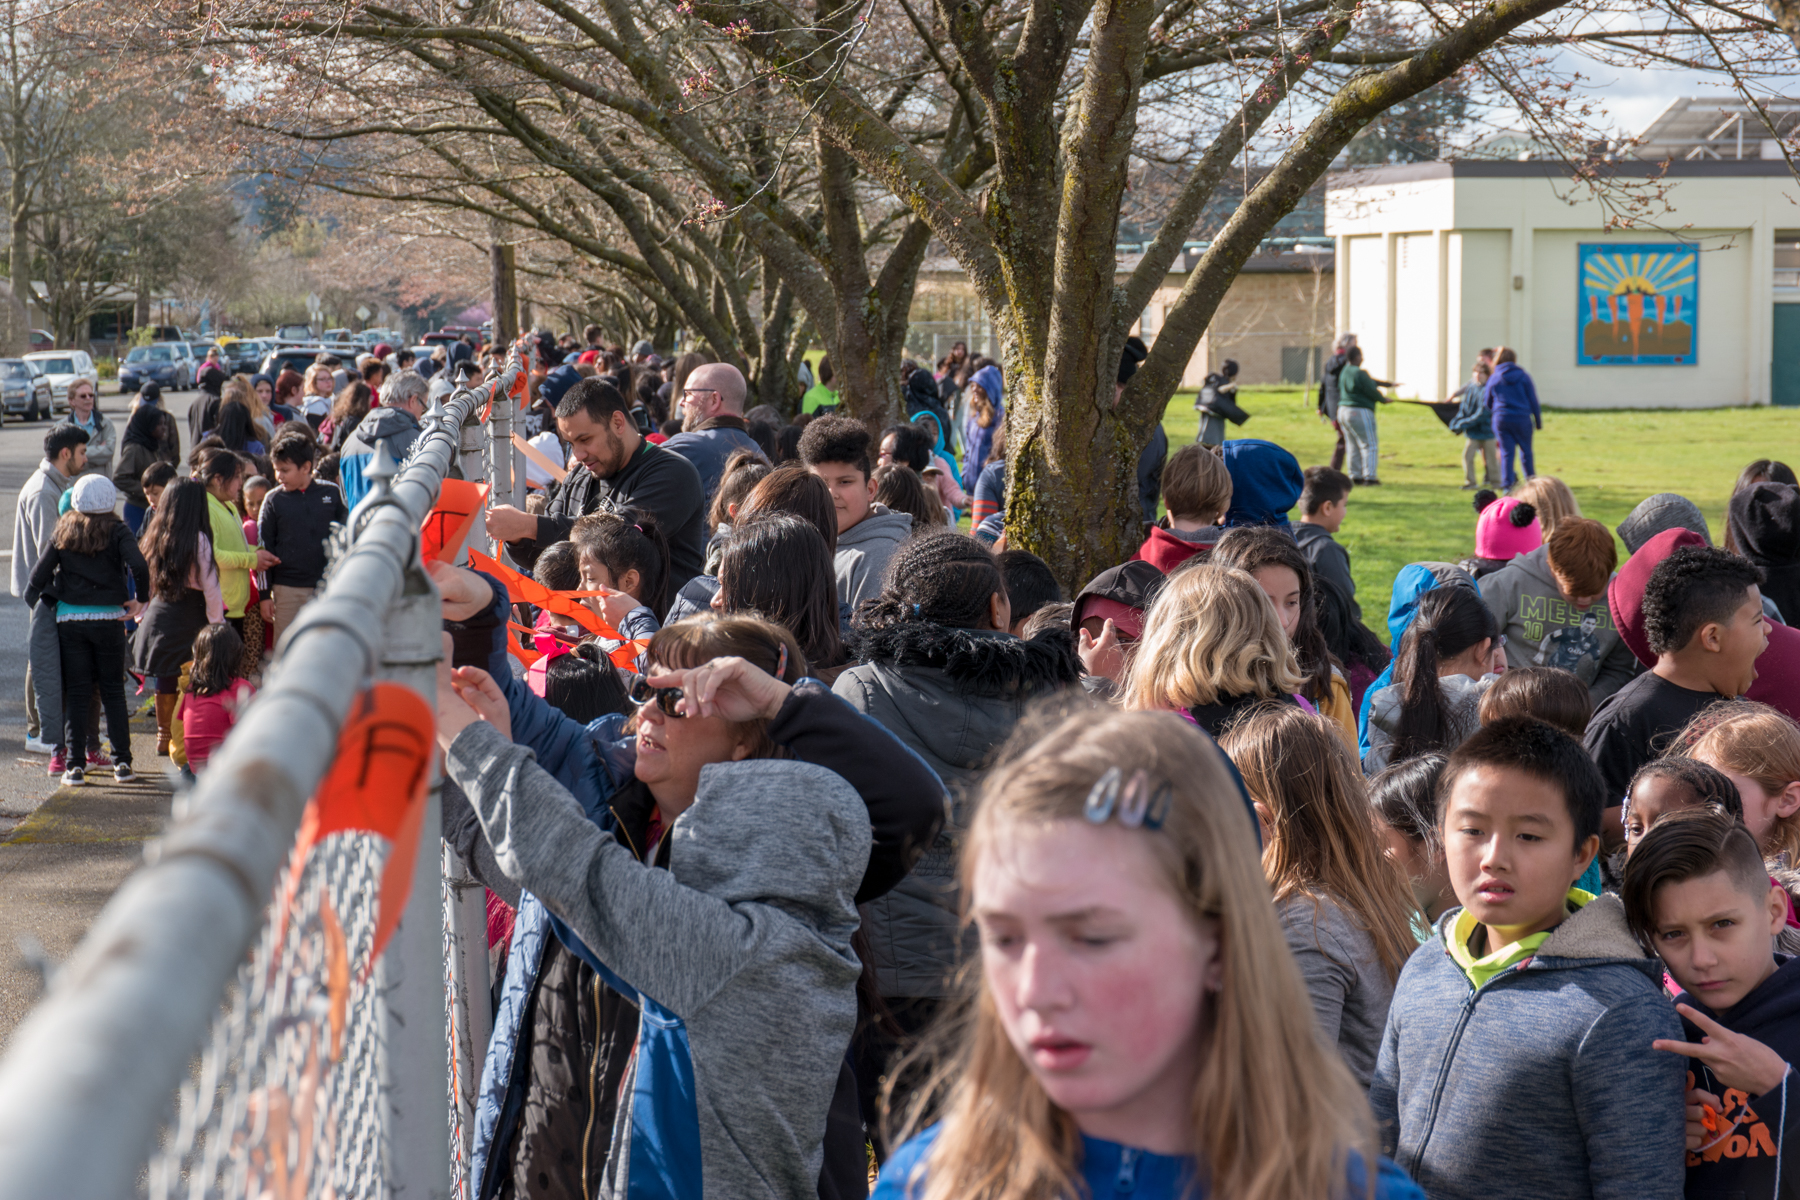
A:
(223, 1029)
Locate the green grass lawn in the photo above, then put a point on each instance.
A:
(1610, 460)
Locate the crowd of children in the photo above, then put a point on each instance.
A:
(1448, 978)
(851, 855)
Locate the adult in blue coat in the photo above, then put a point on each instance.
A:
(1513, 400)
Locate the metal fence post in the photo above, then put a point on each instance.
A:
(415, 1042)
(476, 447)
(502, 479)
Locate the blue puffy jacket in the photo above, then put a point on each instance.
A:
(395, 427)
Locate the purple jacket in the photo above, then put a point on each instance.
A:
(1511, 395)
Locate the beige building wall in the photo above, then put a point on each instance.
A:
(1268, 322)
(1264, 314)
(1438, 260)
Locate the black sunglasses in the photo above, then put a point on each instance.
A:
(666, 698)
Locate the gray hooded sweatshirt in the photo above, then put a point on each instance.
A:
(1544, 630)
(738, 955)
(863, 551)
(1462, 703)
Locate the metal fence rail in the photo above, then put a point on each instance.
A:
(91, 1075)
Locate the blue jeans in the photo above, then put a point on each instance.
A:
(45, 656)
(1515, 433)
(134, 517)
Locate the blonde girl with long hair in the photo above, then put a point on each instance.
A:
(1345, 907)
(1134, 1023)
(1554, 502)
(1212, 649)
(1758, 749)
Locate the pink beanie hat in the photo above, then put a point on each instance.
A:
(1506, 529)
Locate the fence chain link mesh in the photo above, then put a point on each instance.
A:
(285, 1103)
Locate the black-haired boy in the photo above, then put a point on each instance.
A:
(836, 449)
(293, 525)
(1696, 892)
(1029, 584)
(1322, 504)
(1516, 1059)
(1704, 621)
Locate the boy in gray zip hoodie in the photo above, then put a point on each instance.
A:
(1517, 1057)
(738, 956)
(836, 449)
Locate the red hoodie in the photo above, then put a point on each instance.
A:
(1165, 551)
(1777, 671)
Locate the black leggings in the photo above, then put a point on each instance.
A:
(93, 655)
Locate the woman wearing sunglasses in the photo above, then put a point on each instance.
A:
(739, 952)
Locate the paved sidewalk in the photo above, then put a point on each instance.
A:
(62, 857)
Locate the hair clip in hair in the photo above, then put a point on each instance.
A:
(1157, 810)
(1134, 799)
(781, 663)
(1102, 797)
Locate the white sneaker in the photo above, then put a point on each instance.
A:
(37, 745)
(122, 773)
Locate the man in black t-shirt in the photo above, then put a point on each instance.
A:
(1703, 618)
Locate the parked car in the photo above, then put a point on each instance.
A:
(291, 358)
(63, 367)
(42, 339)
(246, 354)
(337, 335)
(299, 335)
(170, 364)
(453, 333)
(24, 391)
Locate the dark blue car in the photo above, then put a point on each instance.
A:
(170, 364)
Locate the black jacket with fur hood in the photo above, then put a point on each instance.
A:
(954, 696)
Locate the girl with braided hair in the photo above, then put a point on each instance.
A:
(1665, 785)
(936, 667)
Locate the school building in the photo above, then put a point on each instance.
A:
(1697, 304)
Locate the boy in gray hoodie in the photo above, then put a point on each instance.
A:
(738, 955)
(1517, 1059)
(836, 449)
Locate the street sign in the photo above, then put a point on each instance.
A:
(363, 313)
(314, 305)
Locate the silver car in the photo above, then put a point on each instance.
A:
(25, 390)
(63, 367)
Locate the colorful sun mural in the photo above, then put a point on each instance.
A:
(1639, 304)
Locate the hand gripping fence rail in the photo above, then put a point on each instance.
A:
(179, 1051)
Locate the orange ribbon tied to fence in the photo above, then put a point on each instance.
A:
(376, 785)
(523, 589)
(459, 503)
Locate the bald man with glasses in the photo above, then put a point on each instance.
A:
(712, 422)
